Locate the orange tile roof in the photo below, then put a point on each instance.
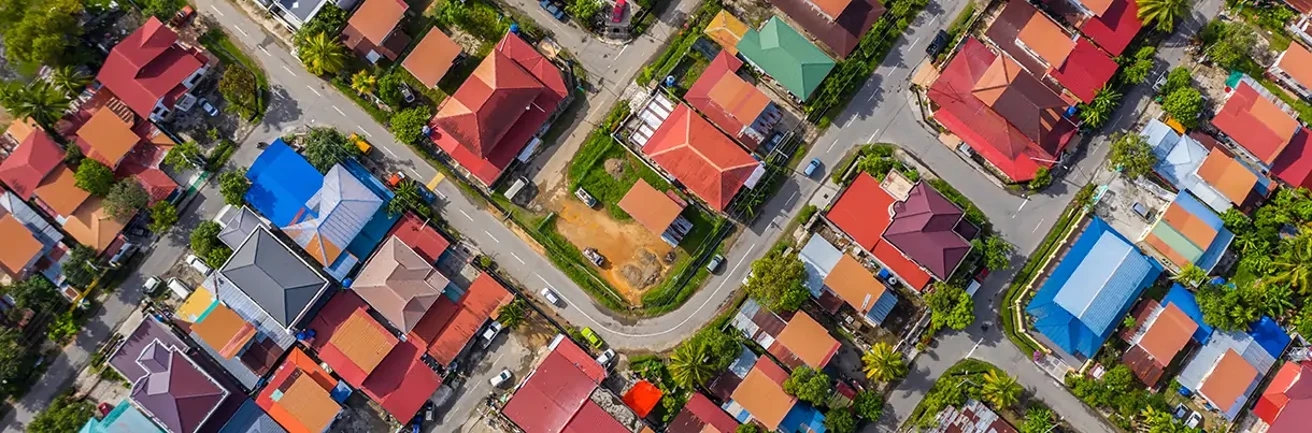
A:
(1168, 334)
(1189, 225)
(727, 30)
(430, 60)
(855, 284)
(762, 394)
(706, 161)
(651, 207)
(59, 191)
(1047, 39)
(1228, 380)
(1098, 7)
(1227, 175)
(739, 98)
(91, 225)
(311, 405)
(810, 341)
(363, 341)
(306, 409)
(21, 129)
(21, 246)
(832, 8)
(224, 331)
(1297, 62)
(107, 138)
(375, 19)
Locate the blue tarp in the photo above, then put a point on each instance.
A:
(281, 182)
(1270, 336)
(1183, 299)
(803, 418)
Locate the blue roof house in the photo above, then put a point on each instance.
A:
(1178, 159)
(282, 181)
(251, 419)
(1091, 289)
(333, 216)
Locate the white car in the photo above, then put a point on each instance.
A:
(550, 296)
(209, 108)
(605, 358)
(199, 265)
(1194, 419)
(491, 332)
(150, 285)
(500, 378)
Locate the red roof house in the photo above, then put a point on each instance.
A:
(151, 71)
(1001, 111)
(34, 159)
(931, 230)
(371, 30)
(733, 104)
(696, 154)
(499, 109)
(864, 212)
(700, 415)
(1286, 405)
(1294, 165)
(1085, 71)
(447, 326)
(421, 237)
(838, 24)
(554, 398)
(1256, 123)
(1114, 27)
(402, 382)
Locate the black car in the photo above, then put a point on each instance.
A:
(939, 43)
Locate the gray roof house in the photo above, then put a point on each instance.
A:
(251, 419)
(238, 223)
(298, 12)
(266, 283)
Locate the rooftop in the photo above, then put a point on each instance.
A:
(92, 225)
(1286, 405)
(931, 230)
(1085, 71)
(809, 341)
(448, 326)
(400, 284)
(282, 182)
(273, 277)
(149, 65)
(334, 216)
(701, 157)
(727, 30)
(299, 396)
(375, 19)
(1297, 62)
(652, 208)
(1228, 176)
(418, 235)
(552, 397)
(1295, 163)
(700, 415)
(1256, 123)
(762, 394)
(1190, 233)
(1167, 334)
(107, 138)
(839, 24)
(786, 56)
(855, 284)
(1229, 380)
(864, 211)
(726, 99)
(432, 57)
(21, 246)
(1047, 40)
(36, 156)
(1115, 27)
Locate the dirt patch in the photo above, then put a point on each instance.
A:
(615, 167)
(536, 331)
(633, 254)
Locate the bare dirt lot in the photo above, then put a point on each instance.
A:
(635, 257)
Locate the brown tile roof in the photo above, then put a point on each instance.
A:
(399, 284)
(309, 403)
(21, 246)
(91, 225)
(1228, 380)
(1297, 62)
(1227, 175)
(432, 57)
(107, 138)
(362, 341)
(855, 284)
(1143, 365)
(1168, 334)
(762, 393)
(727, 30)
(224, 331)
(59, 191)
(809, 341)
(1047, 39)
(375, 19)
(651, 207)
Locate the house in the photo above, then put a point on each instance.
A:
(420, 237)
(432, 57)
(1159, 338)
(33, 244)
(371, 31)
(1286, 404)
(1256, 122)
(1235, 180)
(295, 13)
(702, 158)
(58, 195)
(269, 285)
(234, 337)
(1085, 71)
(1303, 7)
(854, 284)
(106, 130)
(168, 385)
(18, 132)
(723, 385)
(249, 418)
(1293, 68)
(1188, 233)
(22, 247)
(1112, 24)
(781, 52)
(153, 72)
(399, 284)
(334, 216)
(839, 24)
(796, 341)
(108, 137)
(1294, 165)
(93, 226)
(449, 325)
(1228, 369)
(726, 30)
(1090, 290)
(972, 417)
(556, 395)
(736, 106)
(658, 211)
(1002, 113)
(760, 398)
(700, 415)
(302, 396)
(499, 110)
(1046, 49)
(36, 156)
(1178, 159)
(282, 182)
(124, 418)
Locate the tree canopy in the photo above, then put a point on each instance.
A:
(950, 307)
(233, 186)
(35, 293)
(62, 416)
(125, 199)
(1229, 43)
(1185, 105)
(94, 177)
(326, 147)
(39, 31)
(239, 88)
(776, 282)
(163, 215)
(1132, 154)
(869, 405)
(408, 125)
(809, 385)
(840, 421)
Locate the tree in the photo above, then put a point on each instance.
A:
(513, 314)
(329, 20)
(41, 101)
(688, 366)
(162, 9)
(840, 421)
(73, 156)
(205, 237)
(1277, 300)
(70, 79)
(997, 253)
(1185, 105)
(1229, 309)
(1179, 77)
(1042, 178)
(233, 186)
(217, 256)
(35, 293)
(1132, 154)
(408, 125)
(1140, 66)
(408, 198)
(15, 360)
(363, 82)
(163, 215)
(38, 31)
(81, 269)
(1162, 13)
(94, 177)
(1037, 420)
(750, 427)
(1099, 111)
(951, 307)
(883, 364)
(776, 282)
(323, 54)
(1293, 266)
(239, 88)
(389, 89)
(808, 385)
(999, 389)
(869, 405)
(1191, 275)
(583, 10)
(1233, 43)
(185, 154)
(125, 199)
(326, 147)
(63, 415)
(722, 347)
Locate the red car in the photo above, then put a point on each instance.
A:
(617, 14)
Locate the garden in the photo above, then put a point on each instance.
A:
(971, 379)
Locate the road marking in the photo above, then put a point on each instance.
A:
(913, 44)
(831, 146)
(242, 31)
(289, 70)
(1022, 206)
(1036, 226)
(617, 56)
(498, 358)
(790, 200)
(489, 234)
(417, 175)
(521, 261)
(216, 10)
(462, 212)
(361, 128)
(389, 151)
(432, 184)
(266, 52)
(972, 350)
(872, 136)
(320, 95)
(339, 110)
(544, 281)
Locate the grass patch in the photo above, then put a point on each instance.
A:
(950, 381)
(680, 43)
(217, 42)
(957, 29)
(1302, 107)
(696, 67)
(1271, 18)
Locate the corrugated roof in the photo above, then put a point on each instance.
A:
(700, 415)
(555, 391)
(809, 341)
(298, 395)
(432, 57)
(278, 281)
(21, 246)
(787, 56)
(1168, 334)
(651, 207)
(1294, 165)
(1228, 176)
(855, 284)
(1115, 27)
(375, 19)
(147, 66)
(701, 157)
(727, 30)
(362, 342)
(1297, 62)
(335, 215)
(249, 418)
(1228, 381)
(930, 230)
(819, 257)
(1256, 123)
(35, 157)
(1085, 70)
(402, 382)
(1047, 39)
(480, 302)
(839, 25)
(224, 330)
(399, 284)
(1178, 159)
(726, 99)
(762, 394)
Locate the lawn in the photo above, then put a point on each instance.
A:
(217, 42)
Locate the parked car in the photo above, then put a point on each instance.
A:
(586, 198)
(198, 264)
(747, 278)
(939, 43)
(1194, 419)
(209, 108)
(550, 296)
(150, 285)
(553, 9)
(617, 14)
(592, 338)
(595, 257)
(407, 94)
(605, 358)
(491, 332)
(811, 167)
(714, 264)
(500, 378)
(429, 410)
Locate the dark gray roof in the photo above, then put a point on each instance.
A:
(238, 225)
(274, 277)
(251, 419)
(302, 10)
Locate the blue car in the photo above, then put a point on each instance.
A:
(553, 9)
(811, 167)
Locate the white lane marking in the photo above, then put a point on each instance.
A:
(439, 194)
(831, 146)
(242, 31)
(790, 200)
(1036, 226)
(216, 10)
(498, 358)
(489, 234)
(361, 128)
(972, 350)
(617, 56)
(1022, 206)
(544, 281)
(913, 44)
(266, 52)
(389, 151)
(339, 110)
(417, 175)
(316, 92)
(289, 70)
(521, 261)
(872, 136)
(462, 212)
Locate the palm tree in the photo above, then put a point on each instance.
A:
(363, 82)
(407, 197)
(1294, 265)
(883, 364)
(1162, 12)
(1277, 300)
(323, 54)
(41, 101)
(70, 79)
(1099, 111)
(688, 366)
(511, 315)
(1191, 275)
(1000, 389)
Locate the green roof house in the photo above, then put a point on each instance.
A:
(787, 56)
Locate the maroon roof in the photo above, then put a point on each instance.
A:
(699, 413)
(556, 391)
(147, 67)
(1294, 165)
(841, 35)
(1005, 33)
(1085, 71)
(401, 383)
(34, 158)
(1302, 6)
(125, 358)
(930, 230)
(175, 391)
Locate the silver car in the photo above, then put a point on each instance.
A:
(500, 378)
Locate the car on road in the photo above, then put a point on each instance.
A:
(491, 333)
(500, 378)
(747, 278)
(553, 9)
(592, 338)
(208, 107)
(605, 358)
(811, 167)
(714, 264)
(150, 285)
(199, 265)
(550, 296)
(617, 14)
(939, 43)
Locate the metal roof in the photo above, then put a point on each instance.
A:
(268, 274)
